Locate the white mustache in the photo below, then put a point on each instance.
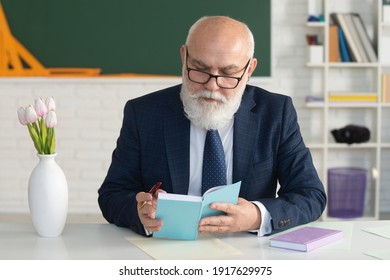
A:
(215, 95)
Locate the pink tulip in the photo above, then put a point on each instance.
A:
(50, 104)
(40, 107)
(22, 116)
(31, 115)
(51, 119)
(40, 120)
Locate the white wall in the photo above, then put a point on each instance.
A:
(90, 116)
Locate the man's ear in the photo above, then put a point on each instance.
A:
(252, 67)
(182, 54)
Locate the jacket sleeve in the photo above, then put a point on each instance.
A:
(301, 197)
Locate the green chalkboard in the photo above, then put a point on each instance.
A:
(126, 36)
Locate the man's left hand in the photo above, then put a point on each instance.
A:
(241, 217)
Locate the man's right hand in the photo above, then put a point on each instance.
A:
(147, 213)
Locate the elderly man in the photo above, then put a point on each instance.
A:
(164, 133)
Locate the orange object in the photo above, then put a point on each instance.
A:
(16, 60)
(334, 53)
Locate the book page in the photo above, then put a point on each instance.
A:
(213, 189)
(382, 254)
(179, 197)
(205, 247)
(383, 231)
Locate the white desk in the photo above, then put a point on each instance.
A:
(105, 241)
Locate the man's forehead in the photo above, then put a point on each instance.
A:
(222, 59)
(217, 65)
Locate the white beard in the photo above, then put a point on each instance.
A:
(209, 115)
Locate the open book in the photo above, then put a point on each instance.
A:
(182, 213)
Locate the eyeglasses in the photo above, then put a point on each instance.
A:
(223, 81)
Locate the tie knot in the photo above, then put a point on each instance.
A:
(212, 134)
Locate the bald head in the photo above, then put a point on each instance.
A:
(223, 33)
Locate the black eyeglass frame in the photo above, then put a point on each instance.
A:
(189, 69)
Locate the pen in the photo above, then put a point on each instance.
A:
(152, 192)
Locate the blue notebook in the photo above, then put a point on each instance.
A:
(182, 213)
(343, 46)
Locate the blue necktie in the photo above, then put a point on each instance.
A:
(214, 165)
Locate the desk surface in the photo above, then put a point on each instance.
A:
(105, 241)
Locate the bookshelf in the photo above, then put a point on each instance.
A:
(351, 77)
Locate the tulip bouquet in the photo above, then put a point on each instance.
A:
(40, 121)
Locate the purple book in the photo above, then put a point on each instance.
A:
(306, 239)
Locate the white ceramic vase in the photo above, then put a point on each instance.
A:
(48, 197)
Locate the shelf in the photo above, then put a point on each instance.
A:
(352, 77)
(316, 24)
(344, 65)
(336, 146)
(319, 104)
(352, 146)
(352, 65)
(352, 105)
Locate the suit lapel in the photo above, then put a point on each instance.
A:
(245, 132)
(177, 137)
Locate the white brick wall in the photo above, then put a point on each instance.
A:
(90, 116)
(89, 119)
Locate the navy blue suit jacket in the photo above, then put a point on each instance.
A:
(267, 148)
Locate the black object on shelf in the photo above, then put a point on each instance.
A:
(351, 134)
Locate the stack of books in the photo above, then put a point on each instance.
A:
(385, 88)
(354, 44)
(353, 97)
